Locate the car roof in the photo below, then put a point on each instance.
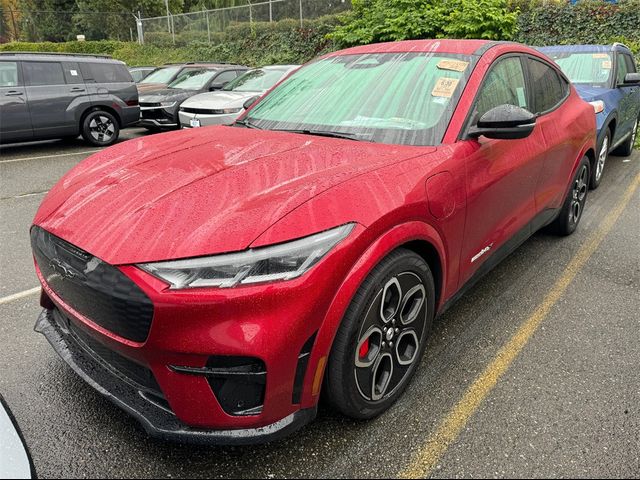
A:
(211, 65)
(463, 47)
(63, 57)
(584, 48)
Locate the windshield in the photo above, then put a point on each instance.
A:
(193, 79)
(593, 69)
(164, 75)
(395, 98)
(256, 80)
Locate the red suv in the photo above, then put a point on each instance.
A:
(212, 282)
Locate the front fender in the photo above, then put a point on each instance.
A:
(379, 246)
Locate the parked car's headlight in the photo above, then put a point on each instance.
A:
(167, 104)
(284, 261)
(226, 111)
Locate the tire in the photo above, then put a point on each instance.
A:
(626, 148)
(365, 376)
(571, 212)
(100, 128)
(601, 159)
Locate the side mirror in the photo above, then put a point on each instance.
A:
(250, 102)
(216, 86)
(505, 122)
(631, 79)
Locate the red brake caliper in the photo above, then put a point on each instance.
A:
(364, 349)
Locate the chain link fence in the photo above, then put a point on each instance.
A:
(206, 25)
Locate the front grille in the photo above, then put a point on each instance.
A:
(97, 290)
(147, 104)
(157, 114)
(202, 111)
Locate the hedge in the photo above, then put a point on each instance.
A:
(587, 22)
(255, 44)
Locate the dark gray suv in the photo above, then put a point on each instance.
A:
(46, 96)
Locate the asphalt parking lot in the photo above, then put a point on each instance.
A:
(534, 373)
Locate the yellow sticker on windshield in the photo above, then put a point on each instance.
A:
(601, 55)
(445, 87)
(606, 65)
(455, 65)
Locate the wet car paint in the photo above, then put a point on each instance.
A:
(222, 189)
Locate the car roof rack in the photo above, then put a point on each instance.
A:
(59, 54)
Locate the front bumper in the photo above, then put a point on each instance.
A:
(207, 119)
(143, 402)
(157, 117)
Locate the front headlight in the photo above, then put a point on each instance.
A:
(167, 104)
(267, 264)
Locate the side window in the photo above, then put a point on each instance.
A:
(623, 68)
(8, 74)
(72, 73)
(504, 84)
(42, 73)
(105, 72)
(631, 65)
(549, 88)
(225, 77)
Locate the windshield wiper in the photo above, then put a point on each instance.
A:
(247, 124)
(326, 133)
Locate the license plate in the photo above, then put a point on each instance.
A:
(194, 123)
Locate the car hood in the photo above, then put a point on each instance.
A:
(589, 94)
(199, 192)
(150, 87)
(221, 99)
(166, 95)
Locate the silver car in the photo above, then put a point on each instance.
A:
(225, 106)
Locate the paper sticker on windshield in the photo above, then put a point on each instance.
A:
(607, 65)
(455, 65)
(74, 73)
(445, 87)
(601, 55)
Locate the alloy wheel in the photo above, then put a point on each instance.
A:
(102, 128)
(602, 158)
(389, 338)
(579, 194)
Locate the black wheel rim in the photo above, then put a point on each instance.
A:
(389, 338)
(578, 194)
(101, 128)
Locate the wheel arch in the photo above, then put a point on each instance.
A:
(416, 236)
(94, 108)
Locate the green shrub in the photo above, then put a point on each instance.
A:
(389, 20)
(255, 44)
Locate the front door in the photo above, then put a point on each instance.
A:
(501, 175)
(15, 123)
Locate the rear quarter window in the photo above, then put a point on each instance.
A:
(105, 73)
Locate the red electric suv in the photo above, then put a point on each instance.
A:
(212, 282)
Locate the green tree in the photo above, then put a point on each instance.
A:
(390, 20)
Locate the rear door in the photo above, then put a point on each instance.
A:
(51, 100)
(15, 123)
(501, 175)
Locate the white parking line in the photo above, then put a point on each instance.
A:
(50, 156)
(19, 295)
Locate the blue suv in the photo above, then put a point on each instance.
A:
(607, 77)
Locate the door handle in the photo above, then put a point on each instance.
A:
(77, 89)
(13, 93)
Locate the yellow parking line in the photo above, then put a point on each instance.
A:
(427, 457)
